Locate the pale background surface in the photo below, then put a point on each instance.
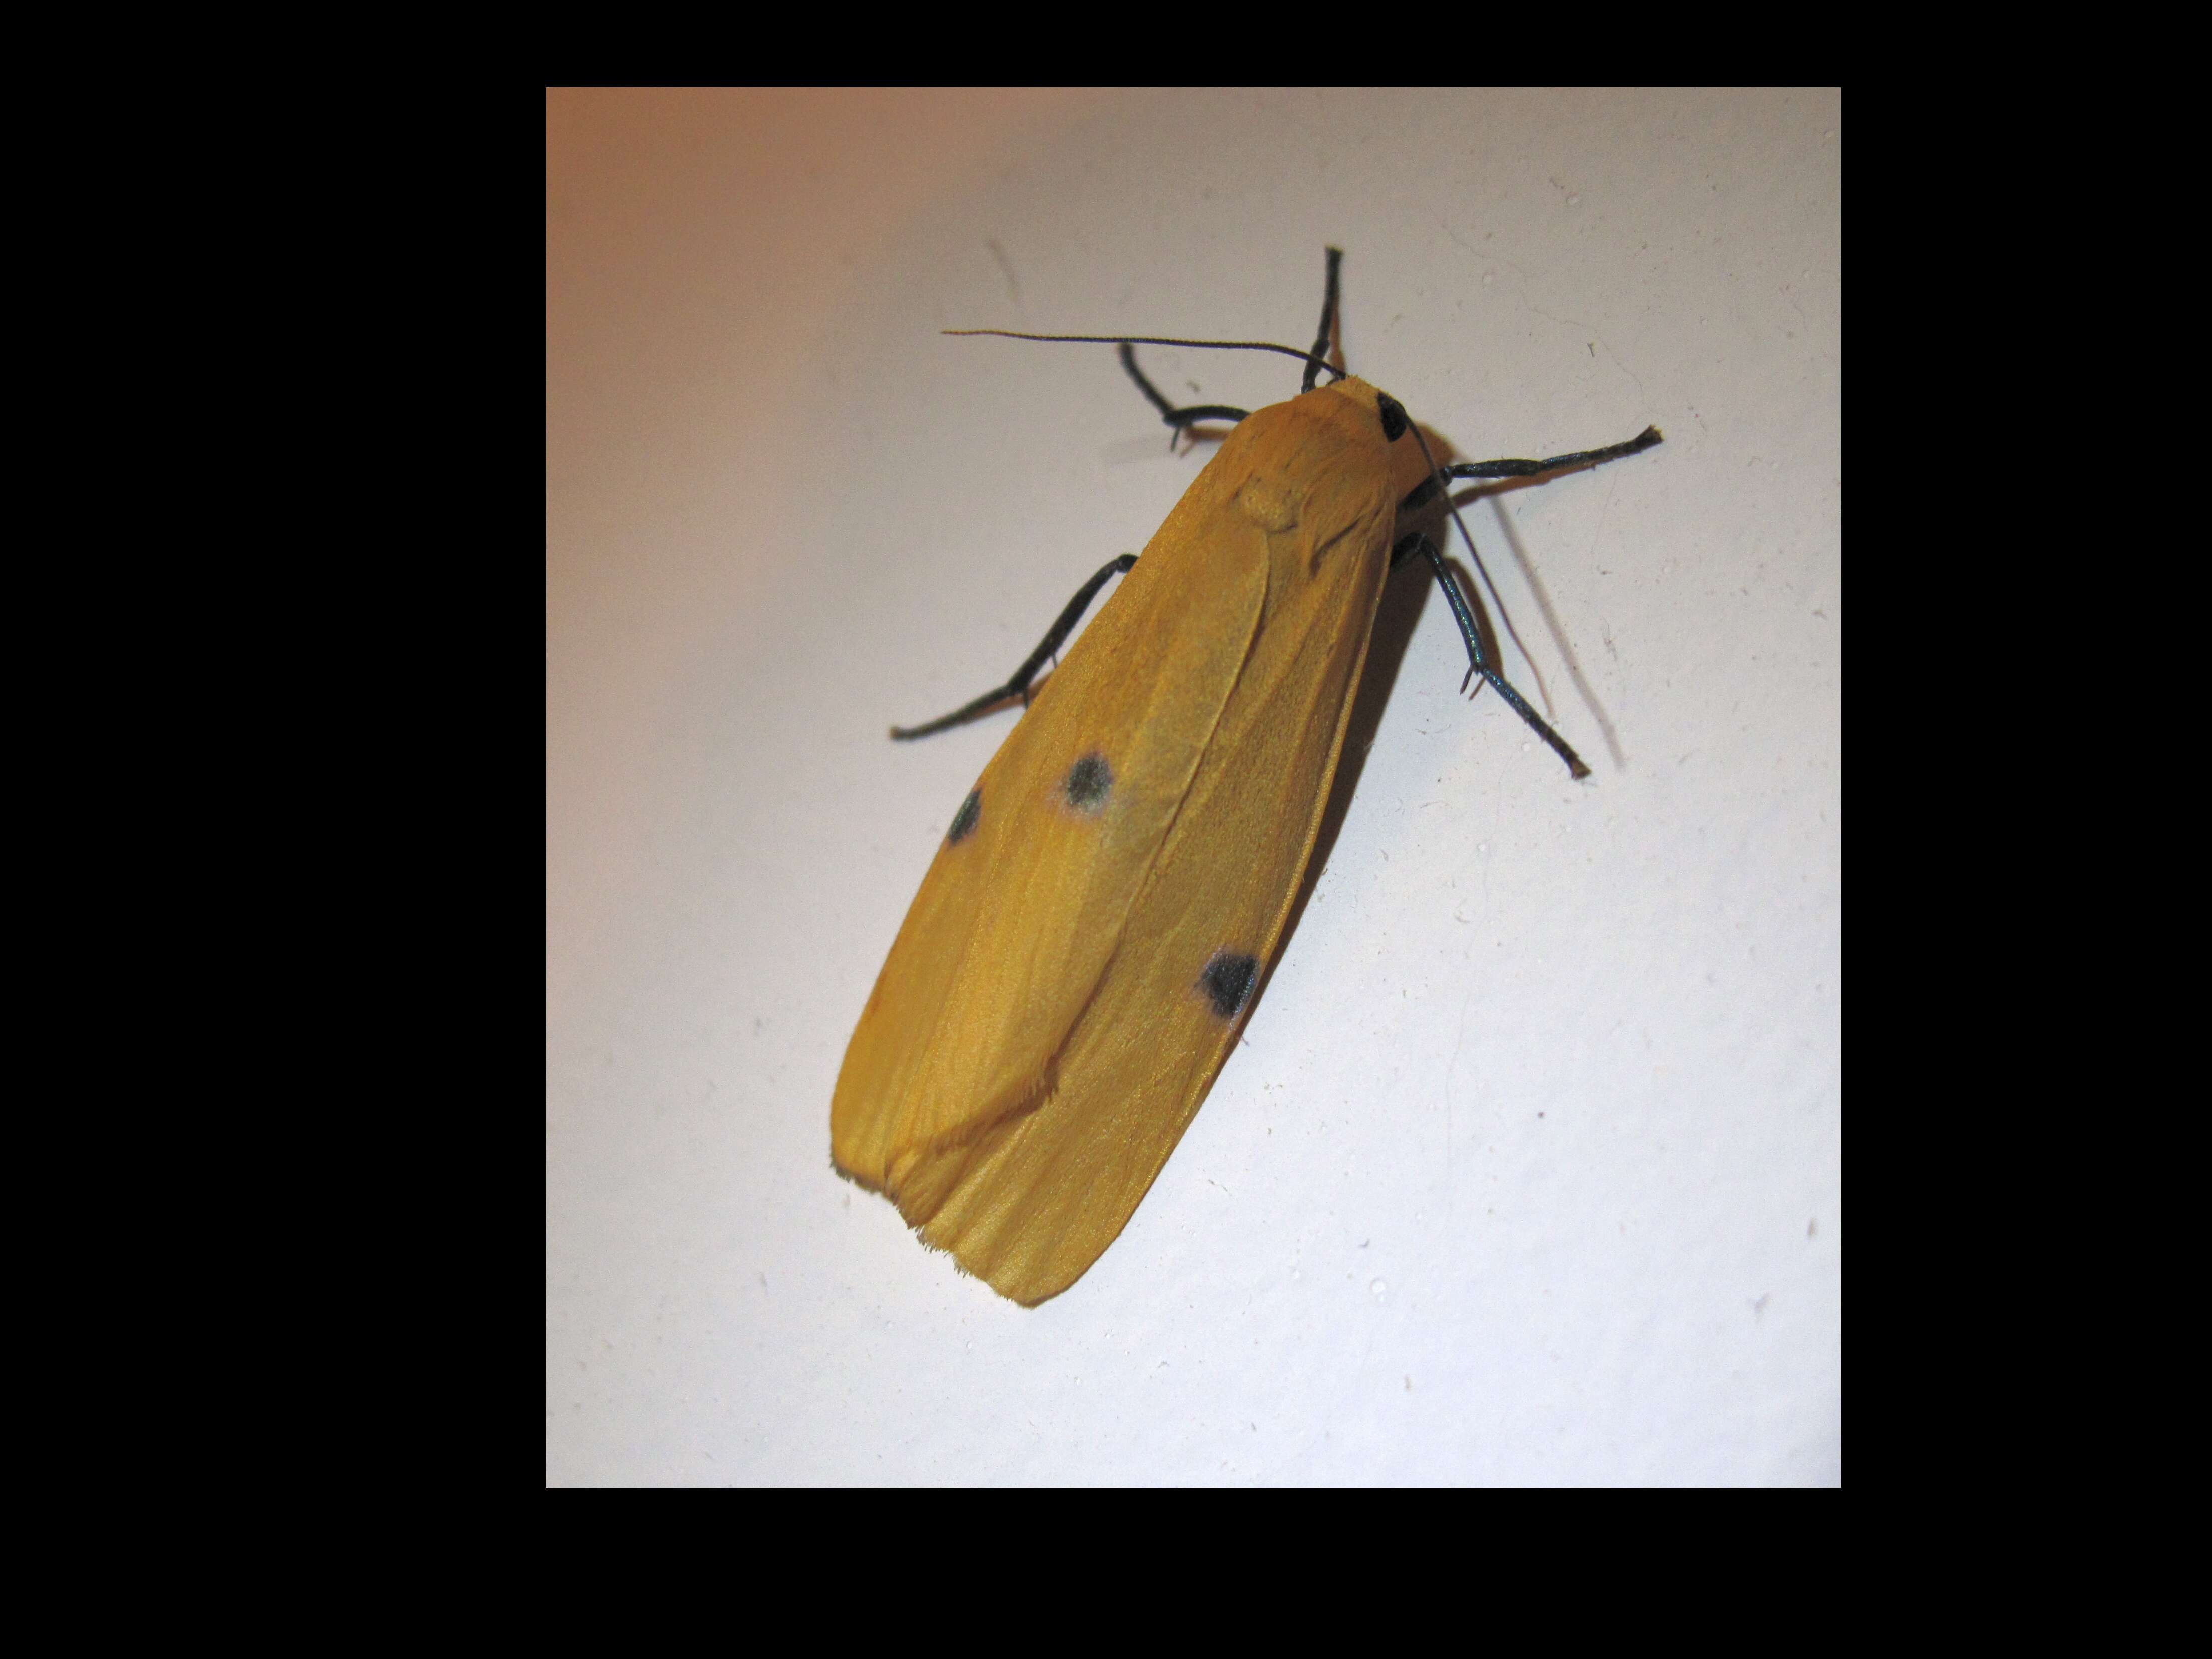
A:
(1529, 1167)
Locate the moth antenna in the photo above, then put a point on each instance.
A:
(1305, 357)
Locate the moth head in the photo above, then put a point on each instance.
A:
(1386, 418)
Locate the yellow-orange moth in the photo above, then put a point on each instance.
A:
(1086, 946)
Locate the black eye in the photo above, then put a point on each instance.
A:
(1227, 981)
(1394, 416)
(964, 821)
(1089, 782)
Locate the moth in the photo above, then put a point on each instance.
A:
(1085, 944)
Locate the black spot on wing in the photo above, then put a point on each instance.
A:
(1089, 781)
(1394, 416)
(964, 821)
(1227, 981)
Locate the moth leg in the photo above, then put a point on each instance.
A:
(1018, 683)
(1428, 490)
(1181, 419)
(1320, 352)
(1478, 660)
